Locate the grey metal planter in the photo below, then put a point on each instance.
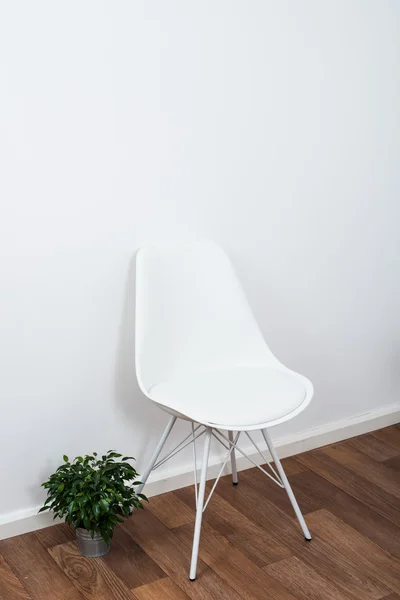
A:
(91, 547)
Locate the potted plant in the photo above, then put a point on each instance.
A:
(93, 495)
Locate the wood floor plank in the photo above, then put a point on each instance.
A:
(241, 573)
(91, 576)
(362, 552)
(163, 547)
(10, 586)
(372, 447)
(258, 545)
(262, 484)
(390, 436)
(33, 566)
(292, 466)
(178, 512)
(318, 553)
(352, 483)
(393, 463)
(372, 470)
(357, 514)
(128, 561)
(303, 581)
(340, 570)
(163, 589)
(57, 534)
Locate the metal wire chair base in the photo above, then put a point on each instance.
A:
(275, 471)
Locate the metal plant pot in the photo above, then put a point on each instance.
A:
(91, 547)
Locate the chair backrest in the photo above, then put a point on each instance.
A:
(192, 314)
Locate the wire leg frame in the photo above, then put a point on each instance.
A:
(199, 505)
(230, 442)
(156, 453)
(233, 461)
(286, 483)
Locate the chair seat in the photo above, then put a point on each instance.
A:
(234, 398)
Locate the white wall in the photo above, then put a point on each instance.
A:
(271, 127)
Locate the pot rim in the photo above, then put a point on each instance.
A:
(85, 533)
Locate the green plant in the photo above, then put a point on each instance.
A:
(93, 493)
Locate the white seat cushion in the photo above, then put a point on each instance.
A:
(238, 397)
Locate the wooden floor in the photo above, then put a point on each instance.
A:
(251, 545)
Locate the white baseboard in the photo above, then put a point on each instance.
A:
(24, 521)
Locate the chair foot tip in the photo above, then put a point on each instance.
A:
(235, 482)
(192, 578)
(308, 539)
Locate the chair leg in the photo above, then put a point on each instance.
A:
(156, 454)
(286, 483)
(233, 461)
(200, 504)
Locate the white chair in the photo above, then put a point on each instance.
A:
(200, 356)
